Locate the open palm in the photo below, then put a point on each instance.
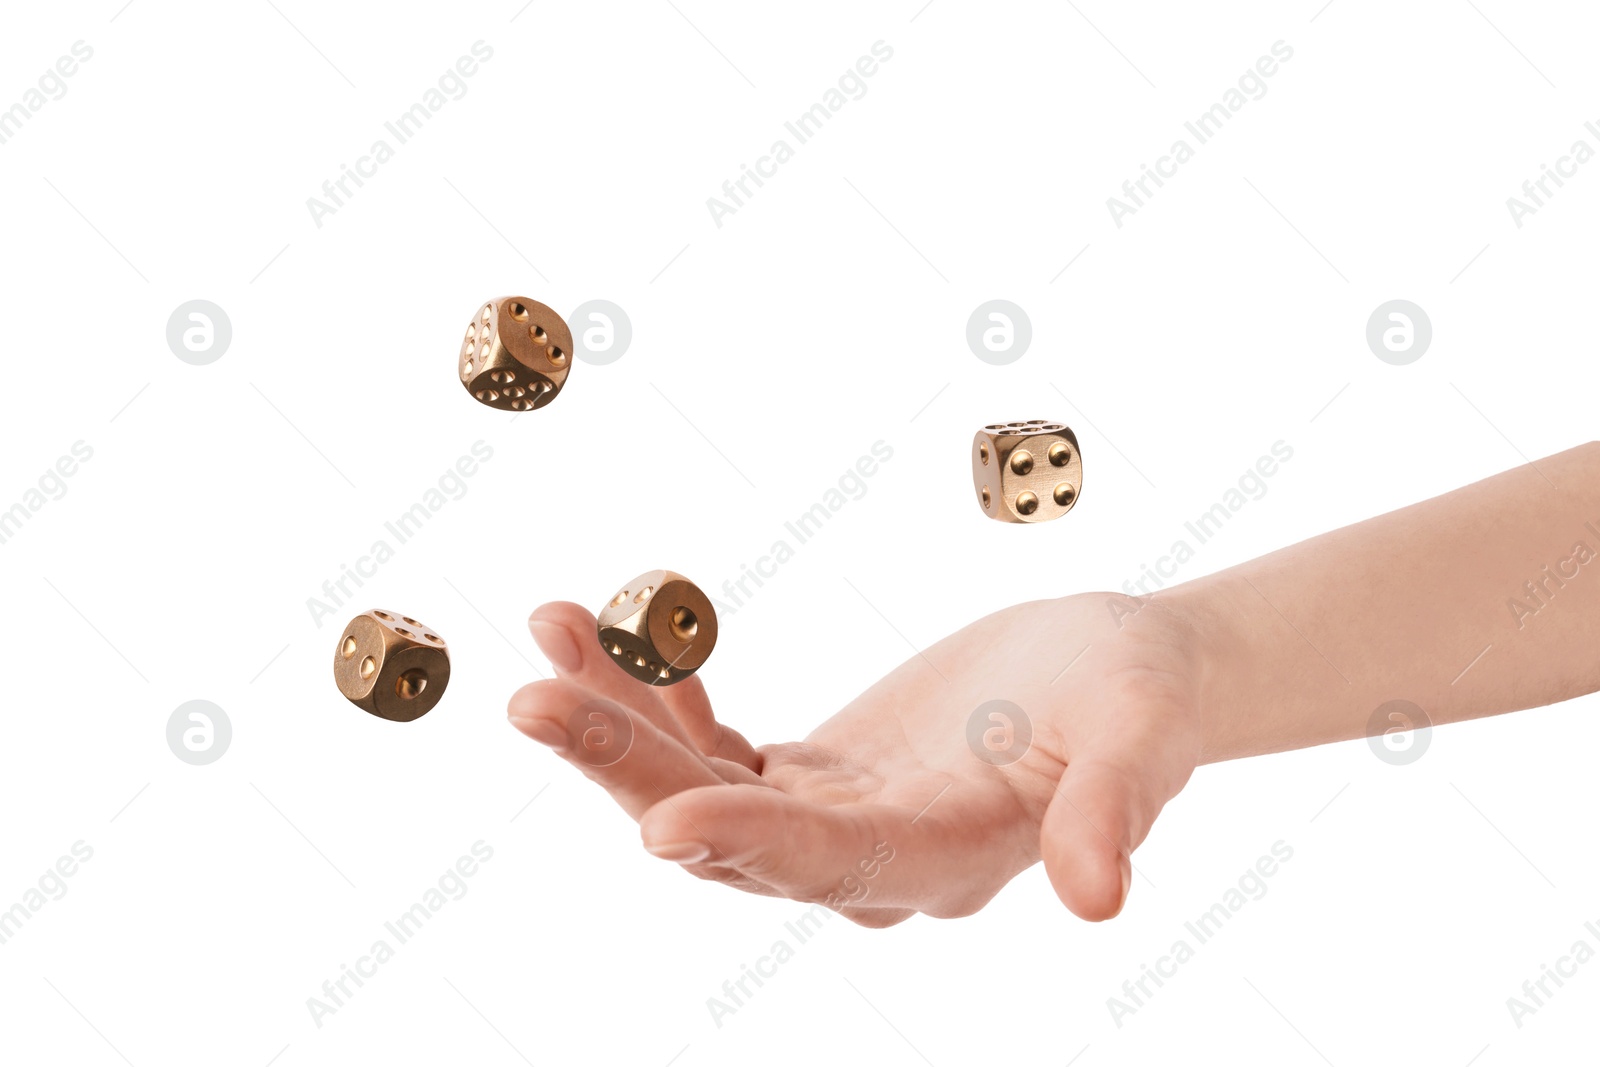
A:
(1046, 730)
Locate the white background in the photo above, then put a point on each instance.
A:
(825, 315)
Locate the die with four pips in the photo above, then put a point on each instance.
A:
(659, 628)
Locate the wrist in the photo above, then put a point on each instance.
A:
(1209, 611)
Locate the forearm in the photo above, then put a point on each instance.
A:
(1481, 601)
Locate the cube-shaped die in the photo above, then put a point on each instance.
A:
(517, 354)
(1026, 471)
(659, 628)
(391, 665)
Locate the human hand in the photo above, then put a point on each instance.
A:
(1116, 731)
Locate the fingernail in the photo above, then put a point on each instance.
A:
(557, 645)
(544, 731)
(1127, 884)
(679, 851)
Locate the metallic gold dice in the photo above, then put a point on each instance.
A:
(516, 355)
(659, 628)
(391, 665)
(1026, 471)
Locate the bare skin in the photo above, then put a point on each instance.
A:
(1125, 698)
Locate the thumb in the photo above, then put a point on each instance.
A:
(1101, 810)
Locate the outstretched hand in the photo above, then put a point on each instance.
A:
(911, 798)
